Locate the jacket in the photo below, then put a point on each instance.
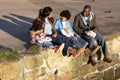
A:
(59, 26)
(79, 25)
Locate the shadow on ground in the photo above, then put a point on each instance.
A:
(17, 26)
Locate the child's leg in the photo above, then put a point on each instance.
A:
(47, 44)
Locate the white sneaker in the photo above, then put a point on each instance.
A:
(60, 49)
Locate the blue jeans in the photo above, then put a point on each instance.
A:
(47, 44)
(100, 41)
(69, 42)
(77, 42)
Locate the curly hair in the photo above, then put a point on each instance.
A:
(66, 14)
(86, 7)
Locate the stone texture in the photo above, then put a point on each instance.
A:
(33, 61)
(109, 74)
(35, 74)
(11, 71)
(117, 73)
(87, 69)
(60, 61)
(114, 45)
(102, 66)
(50, 53)
(68, 76)
(95, 76)
(85, 58)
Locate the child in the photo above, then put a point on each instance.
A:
(64, 28)
(38, 37)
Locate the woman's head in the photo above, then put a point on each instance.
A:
(46, 12)
(86, 10)
(65, 15)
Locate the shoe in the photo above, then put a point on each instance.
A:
(60, 48)
(107, 59)
(72, 51)
(95, 50)
(79, 52)
(93, 61)
(91, 50)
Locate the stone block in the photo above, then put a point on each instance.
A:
(50, 77)
(109, 74)
(103, 65)
(11, 71)
(35, 74)
(85, 58)
(54, 62)
(95, 76)
(117, 73)
(87, 69)
(50, 53)
(33, 61)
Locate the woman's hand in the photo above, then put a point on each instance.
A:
(55, 35)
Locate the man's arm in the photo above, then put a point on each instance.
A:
(95, 27)
(76, 25)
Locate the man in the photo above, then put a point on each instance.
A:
(84, 22)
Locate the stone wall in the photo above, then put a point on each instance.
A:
(48, 65)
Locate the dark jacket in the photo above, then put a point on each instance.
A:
(79, 26)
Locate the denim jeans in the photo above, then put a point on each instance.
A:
(47, 44)
(100, 41)
(69, 42)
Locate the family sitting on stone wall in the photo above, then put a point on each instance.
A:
(71, 41)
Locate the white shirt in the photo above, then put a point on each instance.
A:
(64, 24)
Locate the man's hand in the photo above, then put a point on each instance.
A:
(77, 35)
(95, 30)
(55, 35)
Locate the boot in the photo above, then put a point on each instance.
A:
(89, 52)
(107, 59)
(93, 61)
(79, 52)
(73, 51)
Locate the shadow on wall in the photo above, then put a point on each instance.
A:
(16, 26)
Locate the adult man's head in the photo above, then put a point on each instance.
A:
(86, 10)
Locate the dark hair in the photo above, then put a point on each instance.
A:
(37, 24)
(66, 14)
(45, 12)
(86, 7)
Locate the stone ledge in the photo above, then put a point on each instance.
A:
(43, 66)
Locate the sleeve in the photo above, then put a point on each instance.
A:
(57, 26)
(95, 23)
(76, 25)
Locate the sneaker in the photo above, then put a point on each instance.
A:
(60, 48)
(107, 59)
